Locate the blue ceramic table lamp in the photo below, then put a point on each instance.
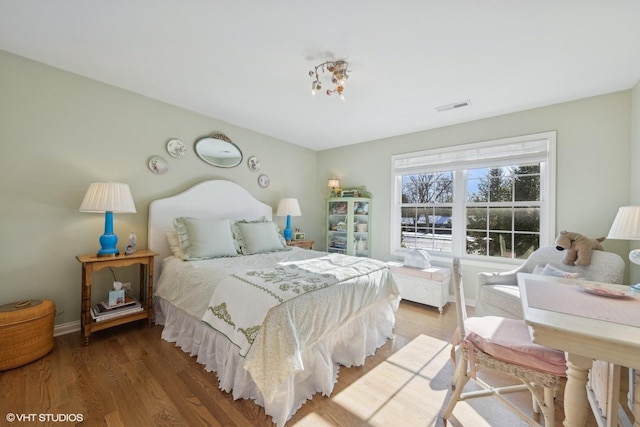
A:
(288, 207)
(108, 197)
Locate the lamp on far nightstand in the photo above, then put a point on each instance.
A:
(108, 197)
(333, 183)
(288, 207)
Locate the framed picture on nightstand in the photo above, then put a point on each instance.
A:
(299, 236)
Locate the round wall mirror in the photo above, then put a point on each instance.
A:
(218, 150)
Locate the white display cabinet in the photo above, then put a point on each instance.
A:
(349, 225)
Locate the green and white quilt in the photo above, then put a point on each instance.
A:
(273, 314)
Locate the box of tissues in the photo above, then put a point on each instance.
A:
(116, 296)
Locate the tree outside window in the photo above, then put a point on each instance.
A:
(427, 211)
(503, 211)
(486, 199)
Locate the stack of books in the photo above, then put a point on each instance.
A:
(104, 311)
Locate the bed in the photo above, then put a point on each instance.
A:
(274, 322)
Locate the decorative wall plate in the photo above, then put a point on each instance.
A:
(158, 165)
(176, 148)
(263, 181)
(254, 163)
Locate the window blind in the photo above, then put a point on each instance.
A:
(521, 150)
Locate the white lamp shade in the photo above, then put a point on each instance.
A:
(333, 183)
(626, 225)
(288, 207)
(108, 197)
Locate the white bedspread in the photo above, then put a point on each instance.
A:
(189, 284)
(272, 315)
(296, 338)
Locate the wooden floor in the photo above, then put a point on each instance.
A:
(129, 376)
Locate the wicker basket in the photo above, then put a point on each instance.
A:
(26, 332)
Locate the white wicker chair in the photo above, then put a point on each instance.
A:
(510, 352)
(497, 293)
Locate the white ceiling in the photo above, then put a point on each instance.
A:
(247, 62)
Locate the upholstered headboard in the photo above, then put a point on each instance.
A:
(208, 199)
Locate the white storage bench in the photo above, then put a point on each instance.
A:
(428, 286)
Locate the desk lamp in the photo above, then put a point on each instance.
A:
(626, 226)
(288, 207)
(108, 197)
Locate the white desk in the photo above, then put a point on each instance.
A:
(582, 337)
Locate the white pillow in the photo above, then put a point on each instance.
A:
(174, 243)
(204, 238)
(259, 237)
(550, 270)
(538, 269)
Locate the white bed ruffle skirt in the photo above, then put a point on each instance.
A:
(348, 346)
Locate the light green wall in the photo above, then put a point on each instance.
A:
(60, 131)
(634, 161)
(593, 168)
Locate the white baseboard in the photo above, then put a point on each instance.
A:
(66, 328)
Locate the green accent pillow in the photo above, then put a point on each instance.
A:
(257, 237)
(205, 238)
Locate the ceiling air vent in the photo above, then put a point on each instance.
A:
(453, 106)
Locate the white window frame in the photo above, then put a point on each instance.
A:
(539, 147)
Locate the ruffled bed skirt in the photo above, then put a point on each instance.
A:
(349, 345)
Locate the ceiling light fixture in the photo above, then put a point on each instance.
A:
(338, 70)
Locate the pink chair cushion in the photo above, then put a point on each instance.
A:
(509, 340)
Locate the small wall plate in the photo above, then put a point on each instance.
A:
(176, 148)
(253, 163)
(263, 181)
(158, 165)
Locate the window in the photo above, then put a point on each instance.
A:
(493, 198)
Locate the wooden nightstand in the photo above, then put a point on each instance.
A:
(91, 263)
(304, 244)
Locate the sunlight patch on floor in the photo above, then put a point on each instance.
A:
(366, 396)
(314, 420)
(411, 388)
(423, 353)
(400, 389)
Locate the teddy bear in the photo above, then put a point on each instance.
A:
(578, 247)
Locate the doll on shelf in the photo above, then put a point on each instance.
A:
(131, 247)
